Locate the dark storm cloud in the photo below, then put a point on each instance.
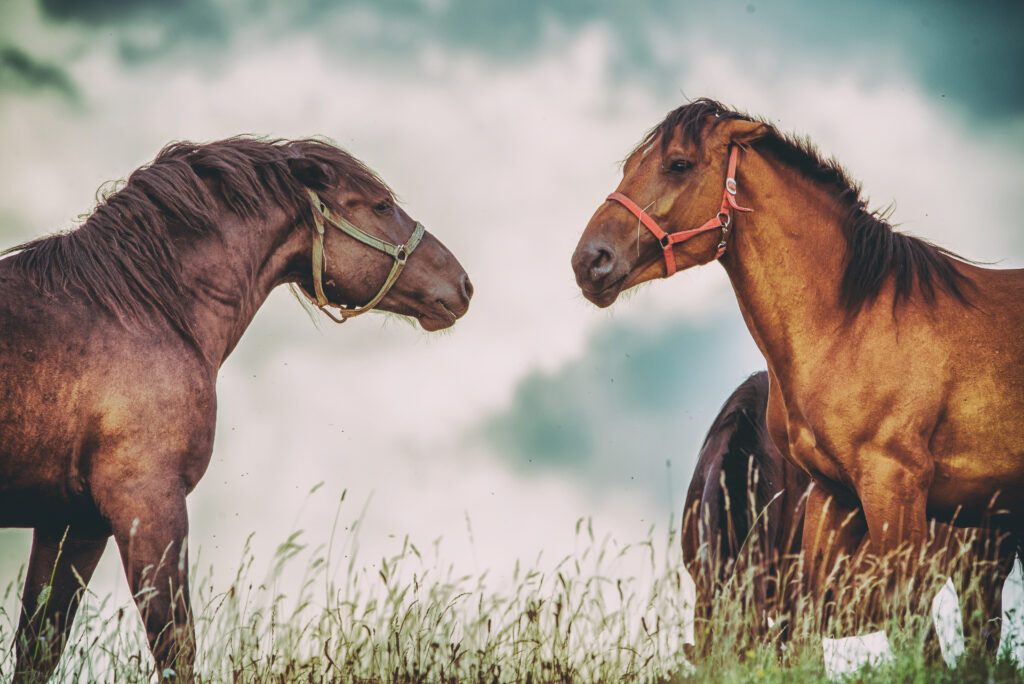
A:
(969, 53)
(21, 71)
(169, 25)
(633, 400)
(98, 11)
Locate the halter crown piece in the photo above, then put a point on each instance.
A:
(722, 220)
(400, 253)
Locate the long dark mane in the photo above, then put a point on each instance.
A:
(874, 251)
(124, 257)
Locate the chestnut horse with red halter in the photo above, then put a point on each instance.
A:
(113, 334)
(929, 348)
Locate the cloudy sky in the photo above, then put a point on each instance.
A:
(501, 126)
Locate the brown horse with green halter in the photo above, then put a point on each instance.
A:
(926, 420)
(113, 334)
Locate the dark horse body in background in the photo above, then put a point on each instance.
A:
(111, 337)
(743, 516)
(743, 521)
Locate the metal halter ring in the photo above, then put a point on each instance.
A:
(725, 237)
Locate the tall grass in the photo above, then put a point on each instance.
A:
(321, 612)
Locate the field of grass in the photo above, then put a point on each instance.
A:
(320, 613)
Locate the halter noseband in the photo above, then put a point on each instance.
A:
(722, 220)
(400, 253)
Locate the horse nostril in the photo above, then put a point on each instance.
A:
(594, 263)
(466, 287)
(601, 263)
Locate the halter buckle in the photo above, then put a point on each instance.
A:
(730, 186)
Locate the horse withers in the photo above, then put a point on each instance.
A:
(113, 333)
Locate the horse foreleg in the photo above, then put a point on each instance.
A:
(833, 530)
(979, 587)
(894, 493)
(52, 593)
(151, 532)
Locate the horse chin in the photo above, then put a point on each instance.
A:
(430, 318)
(432, 323)
(633, 277)
(602, 299)
(607, 295)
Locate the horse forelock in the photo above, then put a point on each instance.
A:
(690, 122)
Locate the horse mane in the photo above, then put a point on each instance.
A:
(874, 250)
(125, 256)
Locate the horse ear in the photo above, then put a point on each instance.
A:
(744, 132)
(312, 173)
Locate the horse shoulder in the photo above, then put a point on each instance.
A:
(879, 377)
(153, 420)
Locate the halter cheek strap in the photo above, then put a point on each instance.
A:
(400, 254)
(721, 221)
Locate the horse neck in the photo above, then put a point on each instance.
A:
(232, 272)
(785, 261)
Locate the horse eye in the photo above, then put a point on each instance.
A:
(679, 165)
(382, 207)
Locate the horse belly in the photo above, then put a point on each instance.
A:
(37, 455)
(979, 445)
(970, 486)
(41, 438)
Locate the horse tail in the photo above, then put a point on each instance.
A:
(724, 523)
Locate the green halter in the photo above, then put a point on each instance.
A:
(400, 253)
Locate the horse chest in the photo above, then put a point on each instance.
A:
(806, 452)
(795, 436)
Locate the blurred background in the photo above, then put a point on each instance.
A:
(501, 126)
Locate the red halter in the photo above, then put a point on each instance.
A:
(722, 220)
